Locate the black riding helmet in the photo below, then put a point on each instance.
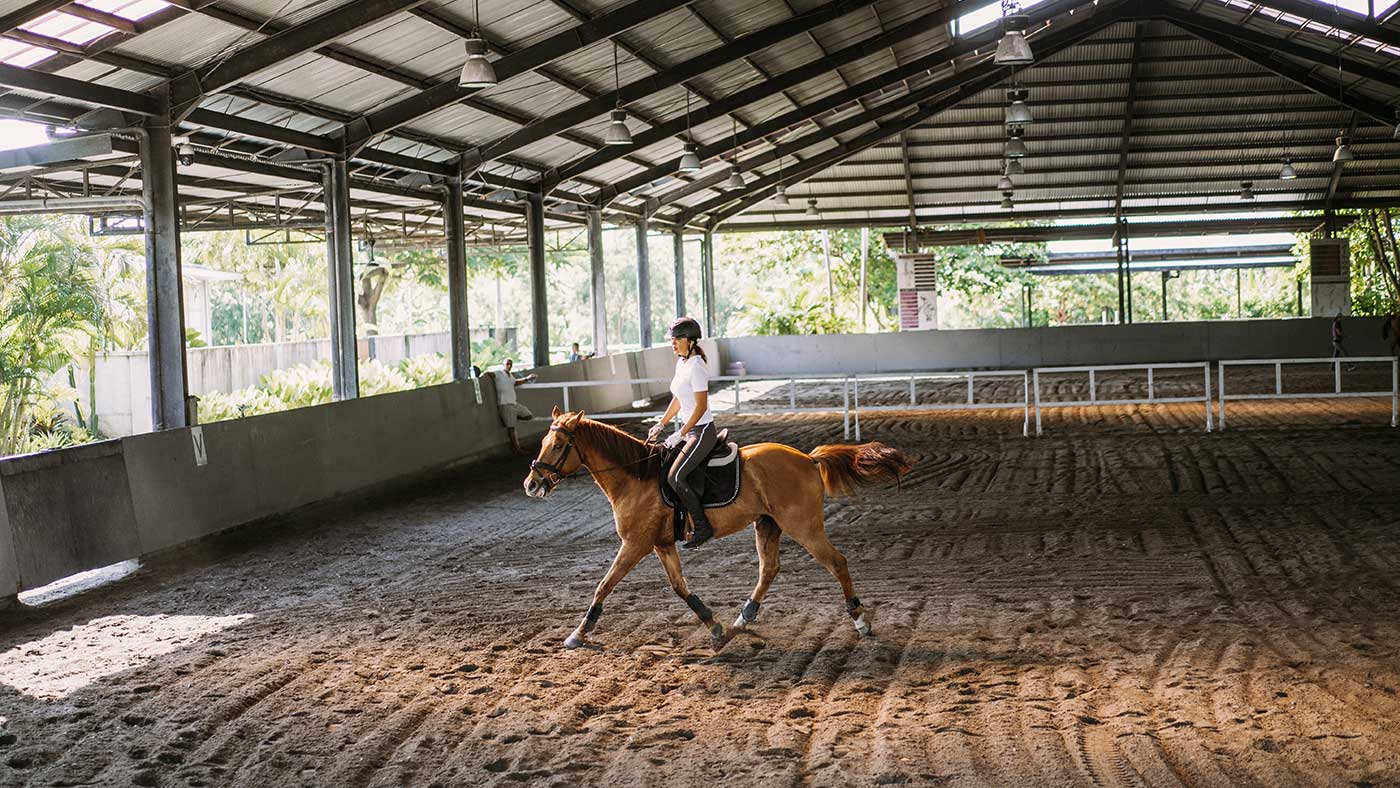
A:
(686, 327)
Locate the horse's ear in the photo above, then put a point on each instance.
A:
(581, 414)
(555, 414)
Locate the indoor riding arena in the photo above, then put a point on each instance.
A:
(1141, 529)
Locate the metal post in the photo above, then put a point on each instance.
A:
(345, 374)
(846, 408)
(1092, 391)
(856, 406)
(707, 280)
(1164, 296)
(1222, 395)
(1149, 382)
(458, 316)
(969, 388)
(680, 273)
(1394, 391)
(1337, 375)
(737, 399)
(1278, 378)
(1239, 296)
(1026, 404)
(830, 287)
(598, 282)
(912, 400)
(1118, 250)
(792, 393)
(165, 310)
(1036, 375)
(643, 286)
(864, 267)
(539, 295)
(1208, 424)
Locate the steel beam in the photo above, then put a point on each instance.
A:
(165, 311)
(1322, 14)
(643, 286)
(60, 150)
(707, 280)
(345, 375)
(361, 130)
(33, 81)
(598, 282)
(458, 312)
(539, 292)
(679, 241)
(674, 75)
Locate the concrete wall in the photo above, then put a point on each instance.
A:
(70, 510)
(1055, 346)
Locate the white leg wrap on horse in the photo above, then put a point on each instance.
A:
(862, 626)
(575, 640)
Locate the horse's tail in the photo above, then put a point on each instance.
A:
(1385, 326)
(845, 466)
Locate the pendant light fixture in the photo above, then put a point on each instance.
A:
(812, 208)
(477, 72)
(1013, 49)
(618, 133)
(1017, 113)
(1246, 190)
(690, 153)
(1013, 167)
(780, 194)
(736, 178)
(1005, 183)
(1006, 200)
(1343, 152)
(1287, 173)
(1015, 146)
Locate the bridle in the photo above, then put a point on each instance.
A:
(555, 470)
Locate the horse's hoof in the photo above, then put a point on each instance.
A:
(575, 641)
(863, 626)
(741, 622)
(717, 637)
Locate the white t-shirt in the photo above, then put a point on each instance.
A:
(505, 387)
(691, 376)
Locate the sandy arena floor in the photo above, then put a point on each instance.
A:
(1125, 601)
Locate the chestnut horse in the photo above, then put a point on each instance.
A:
(781, 492)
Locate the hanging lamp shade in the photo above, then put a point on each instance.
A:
(1017, 113)
(780, 195)
(736, 178)
(1013, 49)
(1343, 152)
(477, 72)
(1246, 190)
(1013, 167)
(1015, 146)
(1287, 173)
(1005, 184)
(812, 208)
(690, 158)
(618, 133)
(1006, 200)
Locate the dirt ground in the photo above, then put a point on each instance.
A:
(1125, 601)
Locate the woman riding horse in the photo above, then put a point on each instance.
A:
(690, 395)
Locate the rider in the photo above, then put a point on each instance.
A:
(690, 390)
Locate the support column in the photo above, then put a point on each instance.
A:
(165, 310)
(539, 295)
(345, 371)
(458, 316)
(643, 286)
(680, 273)
(599, 281)
(707, 280)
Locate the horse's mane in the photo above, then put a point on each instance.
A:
(623, 451)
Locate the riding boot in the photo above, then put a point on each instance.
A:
(701, 529)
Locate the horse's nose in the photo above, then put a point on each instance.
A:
(530, 486)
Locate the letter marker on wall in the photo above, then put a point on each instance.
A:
(200, 457)
(476, 384)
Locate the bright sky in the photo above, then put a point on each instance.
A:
(20, 134)
(1182, 242)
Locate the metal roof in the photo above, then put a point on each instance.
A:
(873, 107)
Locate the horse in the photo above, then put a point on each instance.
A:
(1390, 329)
(781, 492)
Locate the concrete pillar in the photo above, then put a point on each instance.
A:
(345, 367)
(707, 280)
(458, 317)
(680, 272)
(598, 282)
(643, 285)
(165, 308)
(539, 295)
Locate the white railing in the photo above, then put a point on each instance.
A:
(1336, 364)
(1152, 398)
(969, 404)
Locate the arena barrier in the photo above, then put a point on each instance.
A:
(970, 404)
(1152, 398)
(1336, 393)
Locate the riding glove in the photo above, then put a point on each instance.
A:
(674, 439)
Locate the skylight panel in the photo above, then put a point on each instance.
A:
(127, 9)
(15, 53)
(66, 27)
(974, 21)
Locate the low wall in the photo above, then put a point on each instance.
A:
(1055, 346)
(69, 510)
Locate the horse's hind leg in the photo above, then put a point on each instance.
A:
(766, 535)
(671, 561)
(627, 557)
(814, 538)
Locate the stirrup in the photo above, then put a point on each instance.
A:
(699, 535)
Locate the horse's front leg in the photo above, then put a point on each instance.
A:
(627, 557)
(671, 560)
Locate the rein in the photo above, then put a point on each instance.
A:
(556, 470)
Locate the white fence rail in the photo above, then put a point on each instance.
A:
(1336, 393)
(1152, 398)
(969, 404)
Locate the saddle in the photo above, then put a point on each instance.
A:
(716, 481)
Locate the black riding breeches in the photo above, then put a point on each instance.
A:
(694, 449)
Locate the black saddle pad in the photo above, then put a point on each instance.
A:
(720, 485)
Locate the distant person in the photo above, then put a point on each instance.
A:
(576, 355)
(1338, 349)
(511, 411)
